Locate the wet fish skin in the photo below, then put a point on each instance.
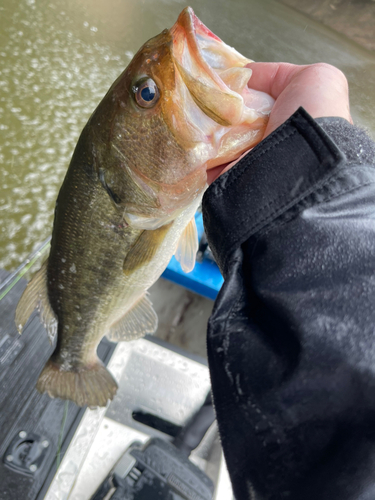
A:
(130, 156)
(86, 279)
(129, 197)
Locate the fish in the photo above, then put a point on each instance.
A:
(127, 203)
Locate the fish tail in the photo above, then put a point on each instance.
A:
(92, 385)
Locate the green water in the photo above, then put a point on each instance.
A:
(58, 58)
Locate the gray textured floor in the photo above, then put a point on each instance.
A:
(183, 316)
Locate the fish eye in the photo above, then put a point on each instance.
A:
(146, 93)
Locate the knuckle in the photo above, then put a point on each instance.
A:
(336, 72)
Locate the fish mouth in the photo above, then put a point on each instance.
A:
(212, 114)
(202, 59)
(216, 78)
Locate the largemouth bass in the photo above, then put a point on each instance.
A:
(128, 200)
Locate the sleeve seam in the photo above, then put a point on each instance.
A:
(310, 181)
(328, 199)
(324, 137)
(253, 230)
(326, 141)
(294, 200)
(251, 160)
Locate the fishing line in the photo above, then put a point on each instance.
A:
(14, 278)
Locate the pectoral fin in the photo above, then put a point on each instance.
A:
(141, 319)
(187, 247)
(144, 249)
(35, 296)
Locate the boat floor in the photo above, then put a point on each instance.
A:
(166, 375)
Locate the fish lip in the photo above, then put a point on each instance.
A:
(190, 23)
(194, 29)
(188, 16)
(201, 59)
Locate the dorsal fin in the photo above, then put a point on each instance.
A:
(187, 247)
(136, 322)
(35, 296)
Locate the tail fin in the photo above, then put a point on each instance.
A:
(91, 386)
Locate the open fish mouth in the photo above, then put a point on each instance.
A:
(217, 79)
(211, 115)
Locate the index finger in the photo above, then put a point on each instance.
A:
(272, 78)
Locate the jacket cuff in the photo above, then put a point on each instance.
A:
(353, 141)
(287, 166)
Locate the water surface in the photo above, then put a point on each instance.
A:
(58, 58)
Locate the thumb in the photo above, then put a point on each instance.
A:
(321, 89)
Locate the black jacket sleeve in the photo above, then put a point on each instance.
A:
(291, 338)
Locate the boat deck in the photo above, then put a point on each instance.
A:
(165, 376)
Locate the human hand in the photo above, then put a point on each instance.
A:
(320, 88)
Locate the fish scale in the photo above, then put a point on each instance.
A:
(98, 277)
